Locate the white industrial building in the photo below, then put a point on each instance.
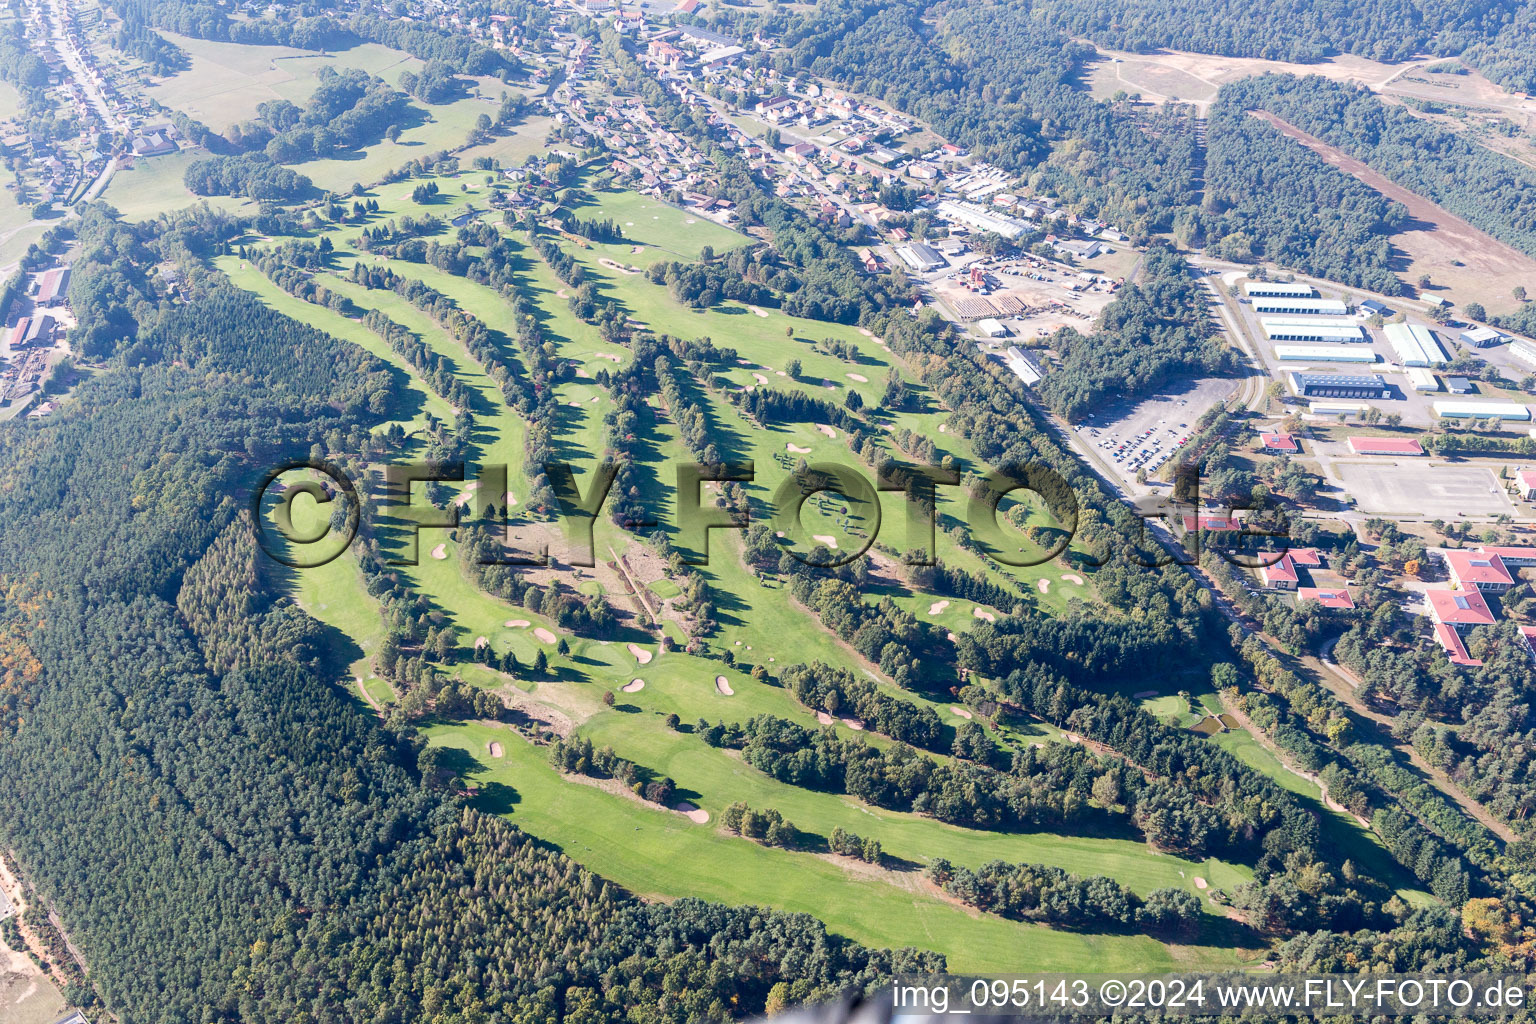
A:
(992, 327)
(921, 258)
(981, 219)
(1416, 344)
(1481, 337)
(1338, 408)
(1281, 328)
(1021, 364)
(1523, 350)
(1325, 353)
(1481, 411)
(1421, 379)
(1314, 307)
(1278, 290)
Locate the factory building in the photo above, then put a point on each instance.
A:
(1416, 345)
(1523, 350)
(1481, 337)
(1325, 353)
(1421, 379)
(1278, 290)
(1300, 306)
(1338, 385)
(921, 258)
(980, 218)
(1481, 411)
(1278, 328)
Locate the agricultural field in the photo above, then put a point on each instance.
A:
(619, 691)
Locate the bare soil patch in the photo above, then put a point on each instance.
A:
(1489, 269)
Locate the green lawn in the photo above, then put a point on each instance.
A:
(154, 185)
(639, 846)
(656, 852)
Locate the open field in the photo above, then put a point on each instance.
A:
(154, 185)
(226, 82)
(1195, 77)
(1419, 487)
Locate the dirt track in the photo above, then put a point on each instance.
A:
(1490, 268)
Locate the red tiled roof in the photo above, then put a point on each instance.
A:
(1282, 571)
(1306, 557)
(1512, 555)
(1476, 567)
(1459, 607)
(1328, 598)
(1385, 446)
(1279, 442)
(1526, 477)
(1210, 523)
(1451, 641)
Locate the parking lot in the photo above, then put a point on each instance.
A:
(1150, 432)
(1436, 491)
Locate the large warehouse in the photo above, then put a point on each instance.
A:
(920, 257)
(1288, 328)
(1416, 344)
(1314, 307)
(1481, 411)
(1325, 353)
(1339, 385)
(1277, 289)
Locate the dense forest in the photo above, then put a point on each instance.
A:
(1499, 37)
(1270, 198)
(1155, 329)
(1490, 190)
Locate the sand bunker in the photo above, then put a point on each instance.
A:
(937, 606)
(495, 749)
(480, 642)
(594, 398)
(510, 499)
(642, 655)
(637, 248)
(1144, 694)
(1072, 577)
(943, 428)
(781, 373)
(633, 686)
(440, 552)
(692, 813)
(581, 371)
(962, 712)
(1044, 585)
(1201, 883)
(858, 377)
(823, 718)
(984, 615)
(853, 723)
(951, 637)
(574, 404)
(756, 311)
(866, 332)
(561, 293)
(610, 356)
(796, 449)
(760, 378)
(724, 686)
(826, 430)
(827, 539)
(544, 635)
(517, 623)
(616, 265)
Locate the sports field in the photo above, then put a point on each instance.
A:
(655, 851)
